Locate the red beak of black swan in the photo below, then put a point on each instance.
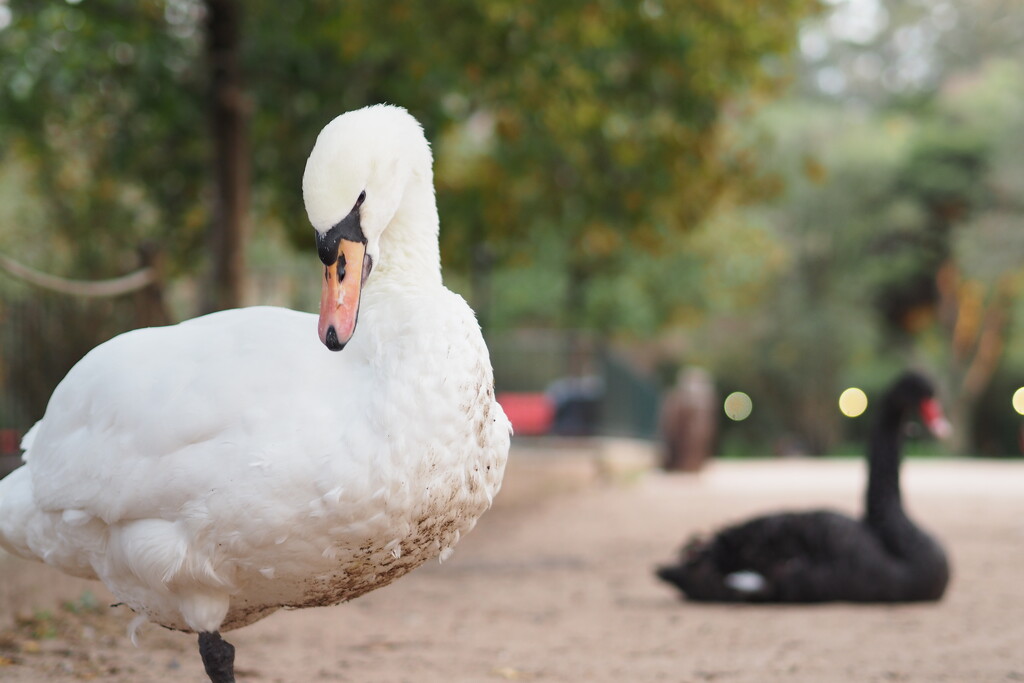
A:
(934, 419)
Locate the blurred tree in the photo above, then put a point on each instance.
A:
(228, 111)
(104, 101)
(592, 127)
(101, 104)
(943, 177)
(901, 51)
(595, 121)
(99, 101)
(981, 282)
(911, 214)
(962, 173)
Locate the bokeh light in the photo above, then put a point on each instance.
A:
(853, 402)
(1018, 400)
(738, 406)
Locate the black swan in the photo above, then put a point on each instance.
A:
(820, 555)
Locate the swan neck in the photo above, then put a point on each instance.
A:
(409, 246)
(884, 502)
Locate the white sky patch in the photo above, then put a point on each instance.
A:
(813, 44)
(183, 16)
(868, 66)
(911, 38)
(944, 16)
(904, 60)
(858, 21)
(652, 9)
(5, 16)
(830, 80)
(916, 70)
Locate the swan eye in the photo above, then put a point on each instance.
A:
(362, 198)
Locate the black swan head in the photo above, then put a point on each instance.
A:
(912, 392)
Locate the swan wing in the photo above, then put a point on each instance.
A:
(155, 418)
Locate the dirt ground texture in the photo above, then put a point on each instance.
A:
(556, 584)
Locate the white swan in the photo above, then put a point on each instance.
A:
(212, 472)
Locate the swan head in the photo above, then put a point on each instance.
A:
(355, 181)
(914, 390)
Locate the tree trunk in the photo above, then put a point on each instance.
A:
(575, 303)
(229, 127)
(150, 303)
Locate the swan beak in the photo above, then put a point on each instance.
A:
(339, 296)
(934, 419)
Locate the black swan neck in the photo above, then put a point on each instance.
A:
(884, 503)
(922, 561)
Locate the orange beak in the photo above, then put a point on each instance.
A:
(339, 296)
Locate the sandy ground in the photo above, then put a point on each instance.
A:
(555, 584)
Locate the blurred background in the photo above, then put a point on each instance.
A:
(723, 213)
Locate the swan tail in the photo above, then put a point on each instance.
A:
(17, 513)
(30, 436)
(17, 504)
(59, 538)
(697, 574)
(703, 574)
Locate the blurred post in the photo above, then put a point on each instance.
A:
(688, 422)
(229, 127)
(150, 304)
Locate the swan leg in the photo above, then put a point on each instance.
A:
(218, 657)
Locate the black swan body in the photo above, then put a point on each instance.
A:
(820, 555)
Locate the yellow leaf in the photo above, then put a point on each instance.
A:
(814, 170)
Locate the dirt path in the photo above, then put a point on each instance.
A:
(559, 588)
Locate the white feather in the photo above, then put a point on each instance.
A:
(745, 581)
(133, 627)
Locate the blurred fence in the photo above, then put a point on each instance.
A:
(591, 389)
(42, 335)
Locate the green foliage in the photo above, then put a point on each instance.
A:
(41, 625)
(877, 201)
(86, 603)
(593, 121)
(100, 103)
